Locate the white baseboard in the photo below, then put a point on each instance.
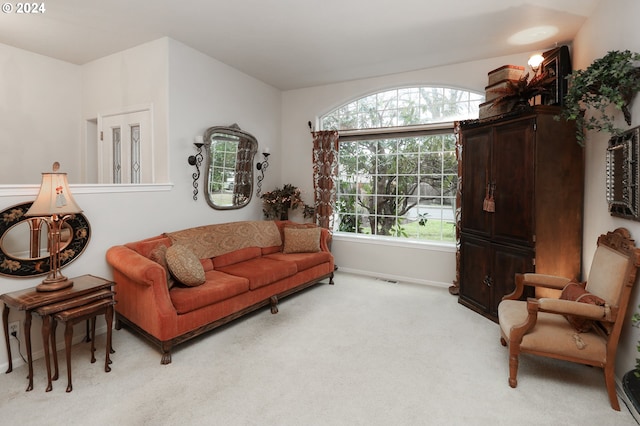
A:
(392, 277)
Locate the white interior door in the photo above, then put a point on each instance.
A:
(125, 148)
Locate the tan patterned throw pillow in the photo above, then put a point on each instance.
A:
(185, 266)
(301, 240)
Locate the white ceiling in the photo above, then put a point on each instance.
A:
(299, 43)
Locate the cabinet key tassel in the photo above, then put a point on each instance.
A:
(489, 204)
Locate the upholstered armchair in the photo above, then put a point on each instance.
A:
(584, 324)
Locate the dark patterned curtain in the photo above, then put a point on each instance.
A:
(325, 173)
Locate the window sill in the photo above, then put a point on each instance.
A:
(449, 247)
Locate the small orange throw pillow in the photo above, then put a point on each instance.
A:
(577, 293)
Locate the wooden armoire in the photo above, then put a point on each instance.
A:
(522, 191)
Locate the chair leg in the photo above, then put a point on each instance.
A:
(513, 370)
(611, 386)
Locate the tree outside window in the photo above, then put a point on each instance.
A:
(395, 185)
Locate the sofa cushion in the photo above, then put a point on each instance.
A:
(185, 265)
(301, 240)
(576, 292)
(272, 249)
(159, 255)
(236, 256)
(217, 287)
(303, 260)
(261, 271)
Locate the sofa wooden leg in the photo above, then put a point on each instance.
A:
(274, 304)
(331, 279)
(166, 347)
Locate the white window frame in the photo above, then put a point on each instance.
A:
(382, 126)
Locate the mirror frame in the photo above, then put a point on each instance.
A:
(12, 266)
(233, 130)
(623, 174)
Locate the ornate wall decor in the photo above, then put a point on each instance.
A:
(623, 174)
(23, 242)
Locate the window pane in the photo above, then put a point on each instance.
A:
(404, 107)
(400, 186)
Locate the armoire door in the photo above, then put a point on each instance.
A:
(475, 273)
(476, 164)
(512, 178)
(507, 261)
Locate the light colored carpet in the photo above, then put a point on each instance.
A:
(362, 352)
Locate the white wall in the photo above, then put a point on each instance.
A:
(133, 77)
(40, 108)
(612, 27)
(201, 92)
(407, 262)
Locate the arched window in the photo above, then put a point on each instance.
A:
(397, 163)
(404, 107)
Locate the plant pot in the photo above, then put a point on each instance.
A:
(631, 386)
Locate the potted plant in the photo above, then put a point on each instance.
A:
(614, 80)
(277, 203)
(516, 93)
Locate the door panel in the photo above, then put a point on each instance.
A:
(476, 153)
(512, 172)
(125, 148)
(507, 262)
(475, 268)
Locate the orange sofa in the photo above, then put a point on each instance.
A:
(245, 266)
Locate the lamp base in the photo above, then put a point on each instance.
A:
(54, 286)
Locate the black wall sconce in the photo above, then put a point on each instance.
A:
(262, 166)
(196, 160)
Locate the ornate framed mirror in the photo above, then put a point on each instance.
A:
(623, 174)
(24, 242)
(229, 154)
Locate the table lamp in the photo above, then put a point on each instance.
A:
(55, 205)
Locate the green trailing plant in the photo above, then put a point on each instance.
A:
(614, 80)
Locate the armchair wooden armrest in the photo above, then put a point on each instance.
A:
(569, 307)
(536, 280)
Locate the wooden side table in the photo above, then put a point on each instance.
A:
(81, 313)
(29, 300)
(49, 325)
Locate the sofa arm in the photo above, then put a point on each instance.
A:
(142, 292)
(133, 265)
(325, 239)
